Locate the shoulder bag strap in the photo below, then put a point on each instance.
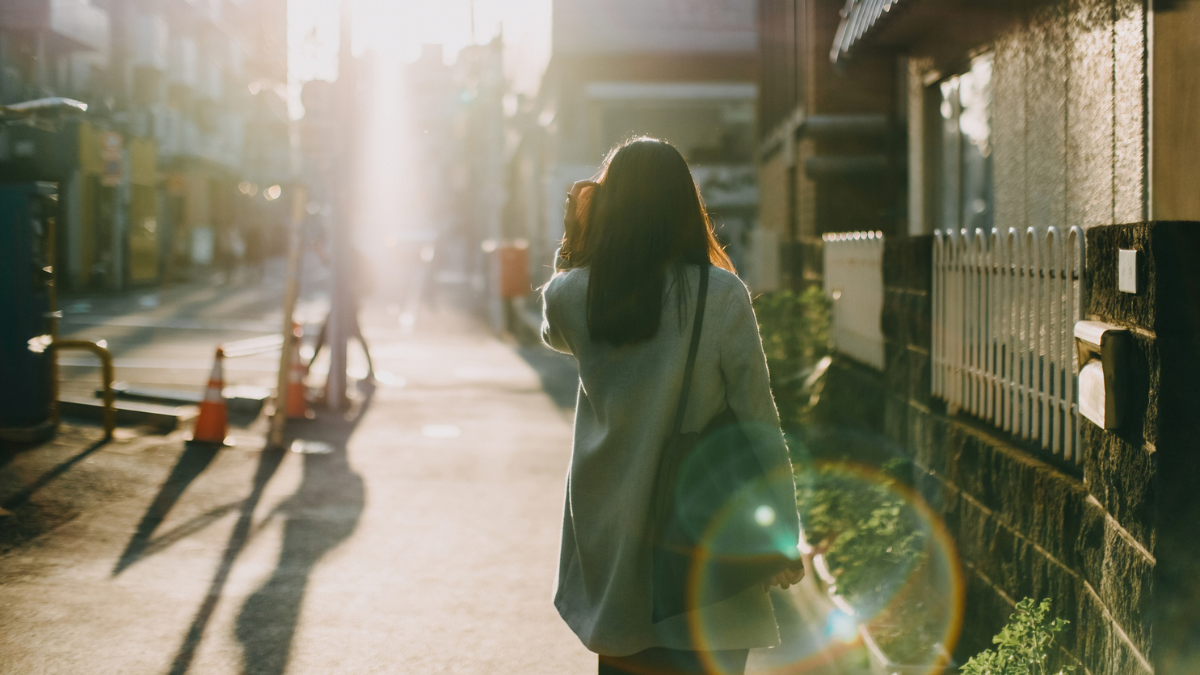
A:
(692, 349)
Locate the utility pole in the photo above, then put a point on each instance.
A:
(471, 4)
(341, 304)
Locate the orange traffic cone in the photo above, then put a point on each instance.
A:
(297, 392)
(213, 422)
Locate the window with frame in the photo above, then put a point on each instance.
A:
(965, 189)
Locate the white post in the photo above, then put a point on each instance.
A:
(341, 304)
(938, 321)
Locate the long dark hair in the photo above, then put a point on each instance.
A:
(645, 219)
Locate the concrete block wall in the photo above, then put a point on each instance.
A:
(1069, 130)
(1113, 545)
(1145, 474)
(1025, 524)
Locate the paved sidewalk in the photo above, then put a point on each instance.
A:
(425, 543)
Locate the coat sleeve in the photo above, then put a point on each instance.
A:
(552, 333)
(748, 392)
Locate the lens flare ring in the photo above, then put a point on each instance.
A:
(924, 595)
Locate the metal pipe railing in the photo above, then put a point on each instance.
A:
(106, 366)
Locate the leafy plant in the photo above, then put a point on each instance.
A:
(1023, 646)
(874, 541)
(795, 335)
(873, 538)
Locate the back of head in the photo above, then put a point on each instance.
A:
(645, 219)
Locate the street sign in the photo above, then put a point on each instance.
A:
(110, 158)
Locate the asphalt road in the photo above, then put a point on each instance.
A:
(423, 540)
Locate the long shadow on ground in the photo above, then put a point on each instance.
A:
(194, 460)
(268, 462)
(322, 513)
(23, 495)
(24, 518)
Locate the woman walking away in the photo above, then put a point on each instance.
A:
(674, 411)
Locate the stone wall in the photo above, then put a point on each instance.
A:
(1112, 546)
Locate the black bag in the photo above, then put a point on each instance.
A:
(710, 536)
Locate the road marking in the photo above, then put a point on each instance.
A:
(310, 447)
(440, 431)
(166, 364)
(175, 323)
(253, 346)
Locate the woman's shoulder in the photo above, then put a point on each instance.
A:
(565, 284)
(726, 287)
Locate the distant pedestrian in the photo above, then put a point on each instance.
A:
(253, 260)
(637, 252)
(229, 252)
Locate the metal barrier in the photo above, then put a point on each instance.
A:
(1004, 308)
(854, 283)
(106, 374)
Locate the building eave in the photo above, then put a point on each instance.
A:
(860, 18)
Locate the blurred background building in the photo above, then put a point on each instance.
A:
(830, 141)
(170, 169)
(456, 139)
(477, 124)
(685, 72)
(428, 86)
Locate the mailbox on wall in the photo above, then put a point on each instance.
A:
(1103, 358)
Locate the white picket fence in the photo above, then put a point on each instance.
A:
(1004, 310)
(854, 284)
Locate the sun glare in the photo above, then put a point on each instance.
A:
(387, 198)
(396, 29)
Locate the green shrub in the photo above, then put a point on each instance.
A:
(1023, 646)
(795, 335)
(873, 537)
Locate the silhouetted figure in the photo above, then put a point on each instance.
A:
(638, 258)
(361, 284)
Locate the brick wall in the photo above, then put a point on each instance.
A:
(1115, 546)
